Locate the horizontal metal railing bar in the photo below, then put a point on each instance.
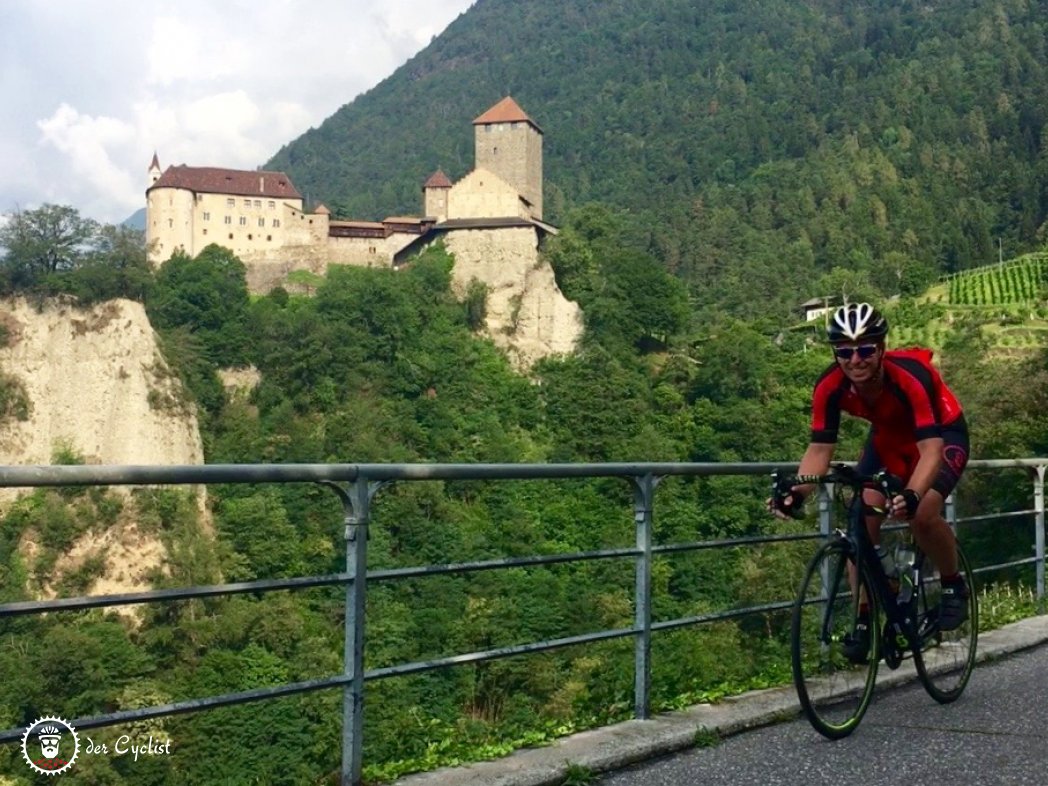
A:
(1003, 565)
(989, 516)
(17, 476)
(416, 667)
(383, 574)
(192, 705)
(13, 476)
(721, 615)
(551, 644)
(269, 585)
(152, 596)
(729, 542)
(512, 562)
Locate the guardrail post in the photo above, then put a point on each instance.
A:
(1038, 507)
(643, 499)
(356, 512)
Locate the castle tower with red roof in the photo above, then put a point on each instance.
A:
(508, 143)
(435, 195)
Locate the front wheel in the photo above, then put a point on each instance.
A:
(944, 659)
(834, 678)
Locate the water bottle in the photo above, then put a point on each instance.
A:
(887, 562)
(904, 561)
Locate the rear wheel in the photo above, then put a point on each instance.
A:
(834, 690)
(944, 659)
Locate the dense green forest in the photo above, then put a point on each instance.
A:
(756, 149)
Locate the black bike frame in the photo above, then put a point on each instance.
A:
(900, 618)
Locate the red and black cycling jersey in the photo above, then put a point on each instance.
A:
(914, 404)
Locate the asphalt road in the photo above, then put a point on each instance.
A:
(996, 734)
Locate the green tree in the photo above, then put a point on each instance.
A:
(206, 295)
(117, 266)
(41, 242)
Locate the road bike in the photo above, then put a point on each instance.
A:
(834, 682)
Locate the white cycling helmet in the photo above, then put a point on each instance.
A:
(856, 322)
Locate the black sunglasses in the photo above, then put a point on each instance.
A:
(864, 351)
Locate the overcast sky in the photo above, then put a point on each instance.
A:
(92, 87)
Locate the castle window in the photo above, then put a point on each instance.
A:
(247, 203)
(229, 219)
(258, 203)
(261, 222)
(205, 231)
(230, 202)
(170, 223)
(272, 204)
(269, 237)
(250, 237)
(230, 235)
(207, 216)
(243, 221)
(276, 222)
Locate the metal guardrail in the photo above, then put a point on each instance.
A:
(356, 485)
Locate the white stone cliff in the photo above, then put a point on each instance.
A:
(96, 385)
(528, 316)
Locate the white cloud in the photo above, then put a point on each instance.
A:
(91, 90)
(86, 142)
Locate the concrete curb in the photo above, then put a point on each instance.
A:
(613, 747)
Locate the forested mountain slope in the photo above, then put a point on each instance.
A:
(753, 147)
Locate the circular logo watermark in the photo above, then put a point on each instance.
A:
(50, 745)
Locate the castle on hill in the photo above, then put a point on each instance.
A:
(490, 221)
(261, 217)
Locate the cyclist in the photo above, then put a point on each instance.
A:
(917, 432)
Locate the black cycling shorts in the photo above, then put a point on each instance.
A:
(955, 448)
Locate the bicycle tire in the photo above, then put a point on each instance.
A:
(834, 692)
(945, 660)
